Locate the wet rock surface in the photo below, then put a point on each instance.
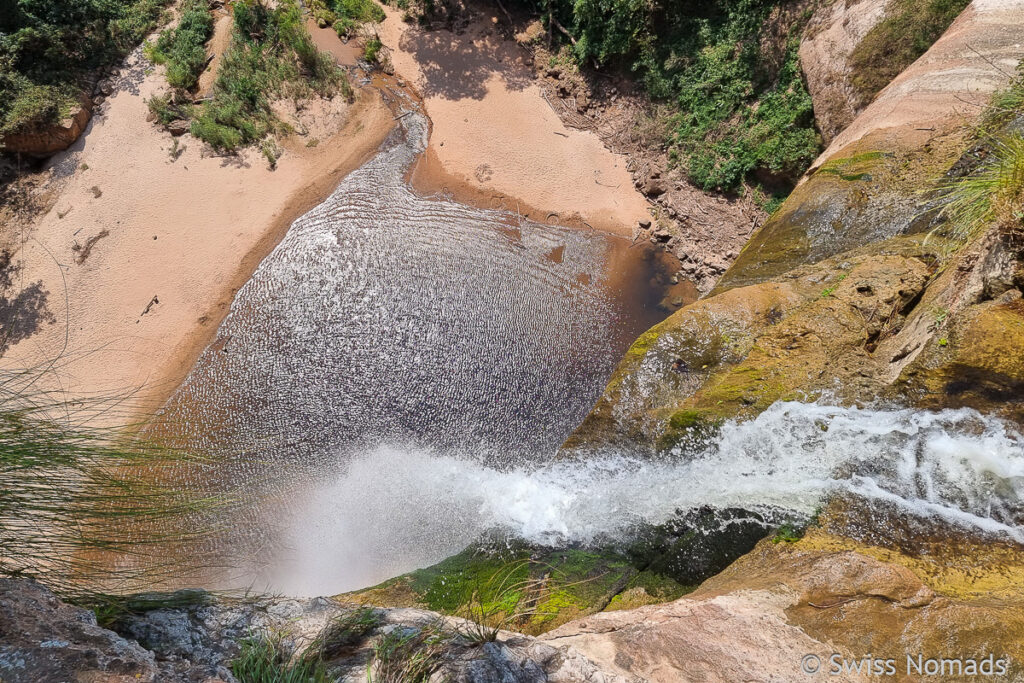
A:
(549, 585)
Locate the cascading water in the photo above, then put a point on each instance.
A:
(964, 469)
(397, 375)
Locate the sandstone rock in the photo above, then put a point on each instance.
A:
(760, 617)
(178, 127)
(654, 187)
(43, 639)
(50, 139)
(829, 40)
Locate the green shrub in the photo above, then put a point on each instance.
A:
(182, 48)
(47, 49)
(166, 108)
(371, 51)
(271, 54)
(733, 95)
(909, 29)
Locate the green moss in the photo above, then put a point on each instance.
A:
(908, 30)
(447, 586)
(527, 589)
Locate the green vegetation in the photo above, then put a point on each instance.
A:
(994, 192)
(80, 506)
(268, 658)
(407, 655)
(371, 51)
(342, 632)
(909, 29)
(829, 291)
(182, 48)
(729, 70)
(789, 533)
(48, 49)
(345, 16)
(271, 55)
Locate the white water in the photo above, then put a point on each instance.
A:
(395, 509)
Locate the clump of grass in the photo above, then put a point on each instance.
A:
(993, 193)
(909, 29)
(407, 655)
(267, 658)
(169, 106)
(271, 55)
(271, 152)
(371, 51)
(74, 498)
(343, 632)
(181, 49)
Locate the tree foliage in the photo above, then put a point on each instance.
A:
(48, 47)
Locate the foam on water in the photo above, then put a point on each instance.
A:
(394, 509)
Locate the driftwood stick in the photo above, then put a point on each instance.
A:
(561, 28)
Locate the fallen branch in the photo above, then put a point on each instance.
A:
(561, 28)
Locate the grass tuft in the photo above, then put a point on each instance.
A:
(83, 509)
(343, 632)
(407, 655)
(268, 658)
(993, 193)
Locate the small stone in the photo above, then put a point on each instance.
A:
(106, 87)
(100, 99)
(178, 127)
(644, 223)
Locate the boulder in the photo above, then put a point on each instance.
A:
(788, 605)
(178, 127)
(828, 41)
(48, 140)
(194, 637)
(44, 639)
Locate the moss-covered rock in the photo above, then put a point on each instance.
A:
(866, 193)
(735, 353)
(533, 589)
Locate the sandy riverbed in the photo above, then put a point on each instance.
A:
(496, 142)
(182, 235)
(143, 252)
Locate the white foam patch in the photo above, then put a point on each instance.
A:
(396, 509)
